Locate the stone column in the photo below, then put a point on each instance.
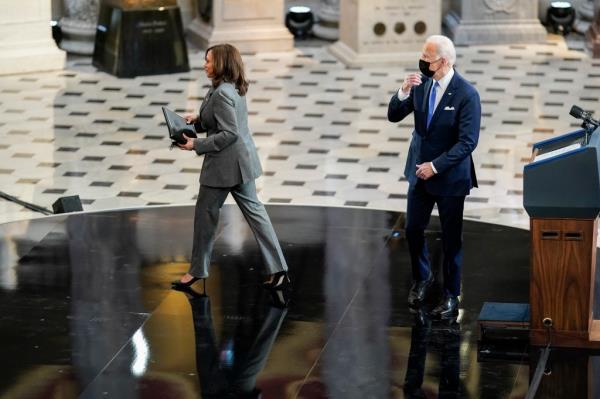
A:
(592, 36)
(26, 43)
(78, 26)
(495, 22)
(250, 25)
(328, 16)
(385, 31)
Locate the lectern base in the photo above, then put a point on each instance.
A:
(144, 41)
(562, 284)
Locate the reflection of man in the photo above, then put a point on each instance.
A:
(439, 168)
(231, 371)
(449, 351)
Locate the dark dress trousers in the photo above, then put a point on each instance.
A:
(230, 165)
(448, 142)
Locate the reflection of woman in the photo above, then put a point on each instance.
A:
(230, 166)
(229, 371)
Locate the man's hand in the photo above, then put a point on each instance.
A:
(190, 118)
(189, 144)
(424, 171)
(412, 79)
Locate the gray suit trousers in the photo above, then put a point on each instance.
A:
(208, 206)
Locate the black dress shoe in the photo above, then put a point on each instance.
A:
(280, 280)
(417, 292)
(447, 309)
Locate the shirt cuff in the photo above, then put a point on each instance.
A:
(401, 95)
(434, 169)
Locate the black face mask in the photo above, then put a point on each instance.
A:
(424, 67)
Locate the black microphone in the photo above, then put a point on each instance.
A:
(579, 113)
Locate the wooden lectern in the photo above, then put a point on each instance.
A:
(561, 193)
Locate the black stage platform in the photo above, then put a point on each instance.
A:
(87, 311)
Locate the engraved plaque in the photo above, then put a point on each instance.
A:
(410, 22)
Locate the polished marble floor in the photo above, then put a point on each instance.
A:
(321, 129)
(87, 311)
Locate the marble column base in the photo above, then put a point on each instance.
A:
(77, 36)
(592, 38)
(247, 39)
(488, 32)
(31, 57)
(351, 58)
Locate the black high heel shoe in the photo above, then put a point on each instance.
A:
(279, 281)
(178, 285)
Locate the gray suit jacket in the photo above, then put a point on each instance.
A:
(230, 156)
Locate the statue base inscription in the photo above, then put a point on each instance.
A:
(140, 41)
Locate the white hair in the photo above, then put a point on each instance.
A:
(444, 48)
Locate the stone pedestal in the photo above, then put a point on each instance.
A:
(592, 36)
(26, 43)
(154, 42)
(385, 31)
(328, 16)
(78, 26)
(495, 22)
(249, 25)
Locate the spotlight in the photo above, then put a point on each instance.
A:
(561, 16)
(56, 32)
(299, 21)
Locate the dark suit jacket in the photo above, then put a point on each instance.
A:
(230, 156)
(450, 139)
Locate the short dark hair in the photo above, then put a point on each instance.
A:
(228, 67)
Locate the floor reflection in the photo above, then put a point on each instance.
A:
(445, 342)
(87, 312)
(228, 367)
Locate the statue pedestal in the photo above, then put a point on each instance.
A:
(140, 41)
(495, 22)
(328, 25)
(26, 43)
(385, 31)
(78, 26)
(249, 25)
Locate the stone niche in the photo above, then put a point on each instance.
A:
(385, 31)
(495, 22)
(250, 25)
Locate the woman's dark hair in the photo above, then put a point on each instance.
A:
(228, 67)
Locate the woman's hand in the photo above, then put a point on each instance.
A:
(189, 144)
(190, 118)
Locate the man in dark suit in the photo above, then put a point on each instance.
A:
(439, 168)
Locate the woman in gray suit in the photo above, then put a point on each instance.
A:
(230, 165)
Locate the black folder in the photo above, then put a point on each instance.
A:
(177, 127)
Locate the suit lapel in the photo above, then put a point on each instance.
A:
(448, 94)
(206, 98)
